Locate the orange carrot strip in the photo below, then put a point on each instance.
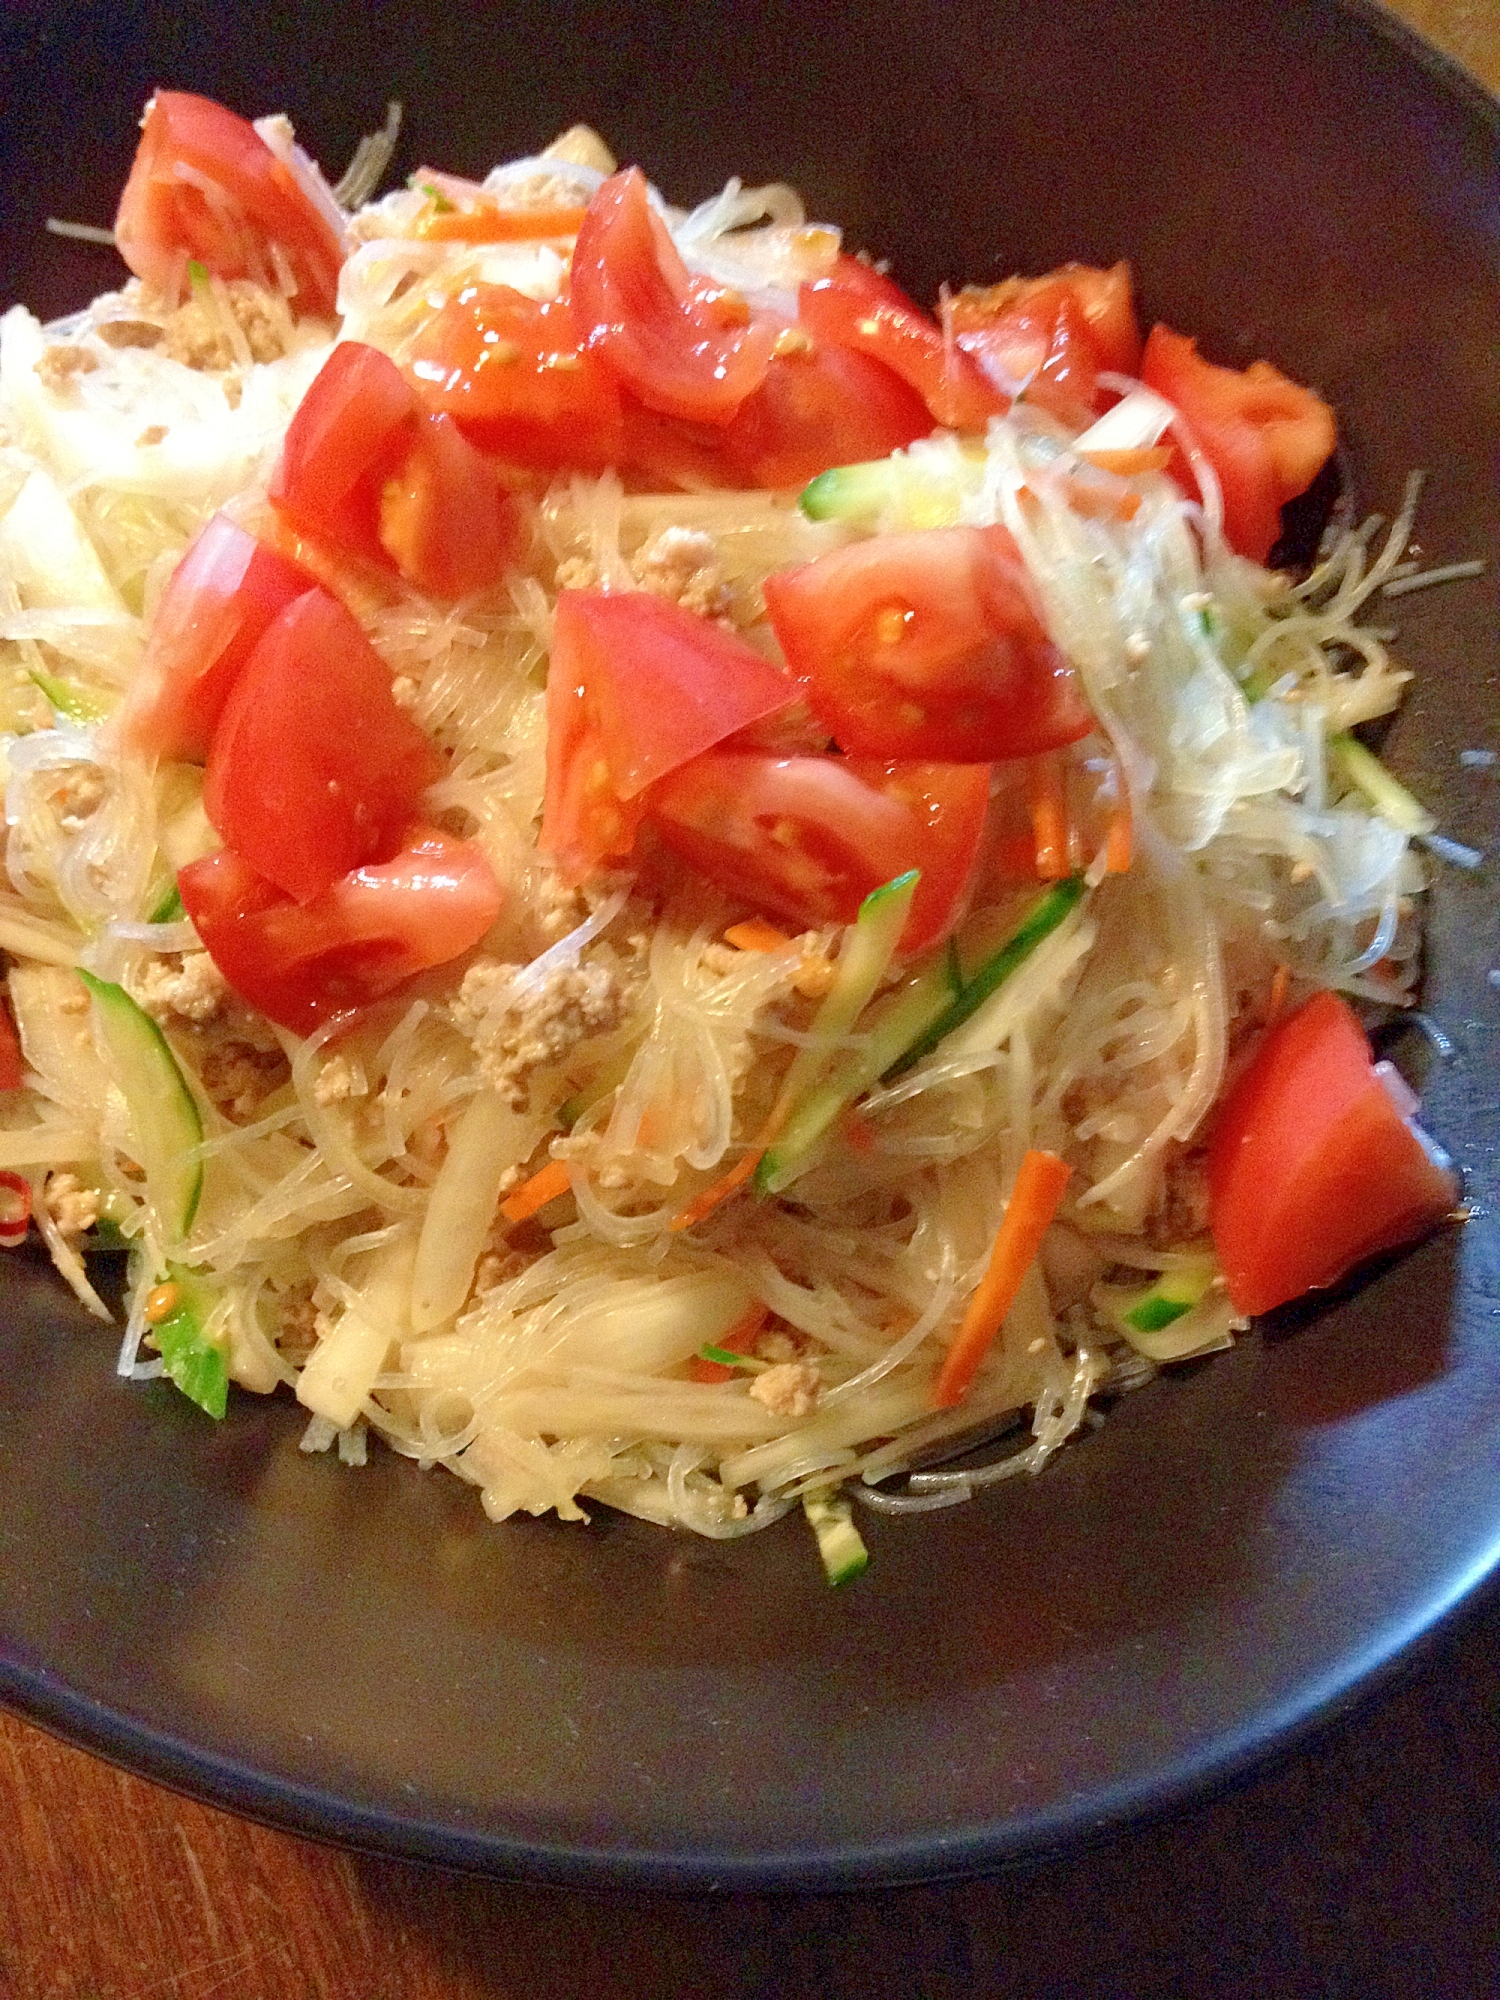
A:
(1049, 818)
(701, 1369)
(859, 1133)
(1033, 1203)
(1118, 839)
(707, 1199)
(1101, 503)
(742, 1336)
(1143, 458)
(1281, 979)
(755, 934)
(486, 223)
(545, 1185)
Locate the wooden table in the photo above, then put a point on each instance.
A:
(1363, 1866)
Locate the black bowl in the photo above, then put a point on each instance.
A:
(1243, 1546)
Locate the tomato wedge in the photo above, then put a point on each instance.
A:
(820, 405)
(1265, 436)
(859, 309)
(927, 645)
(205, 185)
(313, 768)
(220, 599)
(686, 347)
(1311, 1168)
(365, 468)
(443, 519)
(807, 838)
(1033, 333)
(636, 686)
(518, 377)
(369, 932)
(348, 436)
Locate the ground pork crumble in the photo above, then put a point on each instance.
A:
(790, 1389)
(189, 987)
(515, 1035)
(73, 1207)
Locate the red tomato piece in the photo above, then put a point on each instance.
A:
(818, 408)
(807, 838)
(1265, 436)
(857, 308)
(12, 1067)
(1103, 298)
(350, 433)
(636, 686)
(519, 379)
(927, 644)
(313, 768)
(368, 933)
(1032, 332)
(443, 519)
(220, 599)
(205, 185)
(686, 347)
(1311, 1168)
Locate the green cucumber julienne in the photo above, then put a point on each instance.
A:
(164, 1115)
(195, 1362)
(840, 1544)
(1040, 921)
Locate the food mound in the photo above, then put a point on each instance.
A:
(655, 873)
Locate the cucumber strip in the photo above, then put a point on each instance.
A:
(1390, 798)
(194, 1359)
(169, 909)
(163, 1111)
(1173, 1294)
(900, 1021)
(869, 945)
(1040, 921)
(840, 1544)
(78, 704)
(722, 1355)
(893, 493)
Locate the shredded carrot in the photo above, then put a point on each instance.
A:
(1118, 840)
(1143, 458)
(742, 1336)
(487, 223)
(1100, 503)
(859, 1133)
(1033, 1203)
(1049, 818)
(755, 934)
(701, 1369)
(545, 1185)
(1281, 979)
(707, 1199)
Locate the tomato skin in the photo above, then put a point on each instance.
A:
(165, 216)
(927, 645)
(829, 406)
(1033, 332)
(219, 600)
(313, 768)
(368, 933)
(1265, 436)
(1311, 1169)
(443, 519)
(807, 838)
(636, 687)
(349, 434)
(680, 344)
(859, 309)
(517, 375)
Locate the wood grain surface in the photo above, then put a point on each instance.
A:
(1363, 1866)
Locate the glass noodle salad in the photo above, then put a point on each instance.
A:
(657, 874)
